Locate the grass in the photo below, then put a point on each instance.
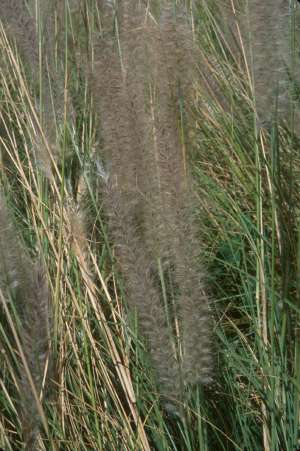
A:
(103, 389)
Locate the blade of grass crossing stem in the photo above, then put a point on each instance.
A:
(297, 350)
(274, 306)
(260, 284)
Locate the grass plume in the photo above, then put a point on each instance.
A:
(262, 37)
(269, 28)
(140, 78)
(25, 285)
(34, 34)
